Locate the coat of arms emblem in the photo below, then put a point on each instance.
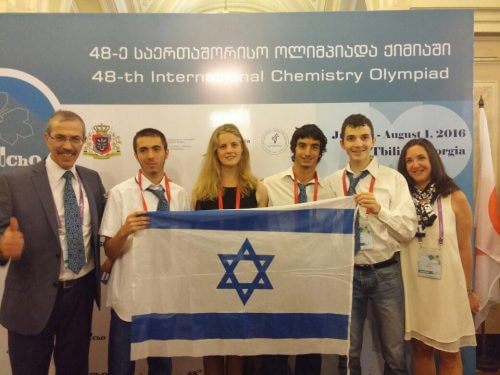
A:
(102, 143)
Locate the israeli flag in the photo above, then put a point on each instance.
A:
(244, 282)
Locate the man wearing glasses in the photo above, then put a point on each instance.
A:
(50, 214)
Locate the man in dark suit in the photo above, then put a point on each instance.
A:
(49, 221)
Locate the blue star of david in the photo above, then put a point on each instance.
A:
(230, 261)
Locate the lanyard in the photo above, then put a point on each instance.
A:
(237, 200)
(344, 186)
(167, 188)
(440, 222)
(80, 202)
(296, 189)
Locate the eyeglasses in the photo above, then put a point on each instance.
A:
(74, 139)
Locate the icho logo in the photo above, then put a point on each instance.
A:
(16, 132)
(7, 160)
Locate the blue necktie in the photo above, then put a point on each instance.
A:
(353, 182)
(162, 201)
(73, 226)
(302, 193)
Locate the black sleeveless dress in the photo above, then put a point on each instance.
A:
(229, 201)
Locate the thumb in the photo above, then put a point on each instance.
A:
(14, 225)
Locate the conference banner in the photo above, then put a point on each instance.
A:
(410, 72)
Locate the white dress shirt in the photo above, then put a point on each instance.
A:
(396, 222)
(124, 199)
(57, 182)
(280, 188)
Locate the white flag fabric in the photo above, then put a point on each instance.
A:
(244, 282)
(487, 218)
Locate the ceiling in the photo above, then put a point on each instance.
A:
(187, 6)
(487, 12)
(230, 6)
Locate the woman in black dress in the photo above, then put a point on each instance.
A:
(226, 182)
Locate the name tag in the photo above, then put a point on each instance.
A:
(429, 263)
(62, 238)
(365, 234)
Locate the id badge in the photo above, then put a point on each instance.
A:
(365, 234)
(429, 263)
(62, 237)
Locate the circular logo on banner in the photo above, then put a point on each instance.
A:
(25, 105)
(442, 126)
(274, 141)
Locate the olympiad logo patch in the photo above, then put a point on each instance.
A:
(102, 143)
(274, 141)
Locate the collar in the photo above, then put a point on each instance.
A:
(288, 174)
(54, 171)
(372, 168)
(146, 183)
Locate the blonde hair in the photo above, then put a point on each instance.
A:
(208, 182)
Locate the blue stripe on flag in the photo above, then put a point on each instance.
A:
(238, 326)
(316, 220)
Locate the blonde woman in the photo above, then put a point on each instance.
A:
(226, 182)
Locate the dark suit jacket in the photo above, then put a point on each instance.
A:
(32, 281)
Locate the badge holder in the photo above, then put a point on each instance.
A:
(430, 259)
(429, 263)
(365, 234)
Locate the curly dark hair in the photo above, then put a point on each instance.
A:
(444, 183)
(309, 131)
